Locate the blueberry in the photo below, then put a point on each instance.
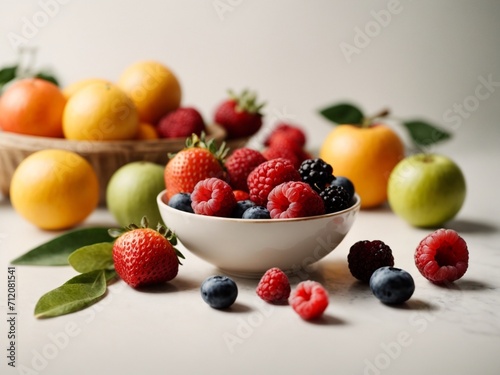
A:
(181, 201)
(345, 183)
(256, 212)
(392, 285)
(241, 207)
(219, 292)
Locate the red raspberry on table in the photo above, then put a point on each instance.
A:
(309, 299)
(213, 197)
(367, 256)
(181, 122)
(268, 175)
(442, 256)
(294, 199)
(274, 286)
(239, 165)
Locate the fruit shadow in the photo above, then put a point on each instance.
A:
(472, 226)
(180, 283)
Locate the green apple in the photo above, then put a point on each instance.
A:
(426, 190)
(132, 190)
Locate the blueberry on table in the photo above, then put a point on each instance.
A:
(219, 292)
(392, 285)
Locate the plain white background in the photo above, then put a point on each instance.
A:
(421, 59)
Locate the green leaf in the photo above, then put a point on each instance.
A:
(98, 256)
(7, 74)
(74, 295)
(48, 77)
(343, 114)
(425, 134)
(56, 251)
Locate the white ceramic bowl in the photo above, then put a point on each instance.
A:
(248, 248)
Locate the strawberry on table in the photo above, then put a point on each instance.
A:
(200, 159)
(240, 115)
(144, 256)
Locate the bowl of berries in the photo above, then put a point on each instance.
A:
(287, 218)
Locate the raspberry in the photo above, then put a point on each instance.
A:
(239, 165)
(292, 132)
(367, 256)
(309, 299)
(281, 152)
(335, 198)
(294, 199)
(268, 175)
(442, 256)
(181, 122)
(213, 197)
(317, 173)
(274, 286)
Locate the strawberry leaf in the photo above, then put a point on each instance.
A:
(56, 251)
(343, 113)
(425, 134)
(76, 294)
(98, 256)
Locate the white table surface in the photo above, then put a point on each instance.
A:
(171, 330)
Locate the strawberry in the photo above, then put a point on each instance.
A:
(199, 160)
(239, 115)
(181, 122)
(144, 256)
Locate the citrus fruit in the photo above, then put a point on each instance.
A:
(132, 190)
(54, 189)
(32, 106)
(100, 111)
(153, 87)
(146, 131)
(75, 86)
(366, 156)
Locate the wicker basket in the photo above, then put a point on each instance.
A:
(105, 157)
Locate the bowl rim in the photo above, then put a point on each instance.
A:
(354, 207)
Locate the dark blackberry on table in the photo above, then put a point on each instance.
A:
(317, 173)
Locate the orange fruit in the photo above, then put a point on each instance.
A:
(146, 131)
(154, 89)
(366, 156)
(75, 86)
(32, 106)
(100, 111)
(54, 189)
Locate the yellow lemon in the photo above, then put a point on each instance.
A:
(154, 89)
(54, 189)
(100, 111)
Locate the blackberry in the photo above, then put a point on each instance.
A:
(367, 256)
(317, 173)
(335, 198)
(345, 183)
